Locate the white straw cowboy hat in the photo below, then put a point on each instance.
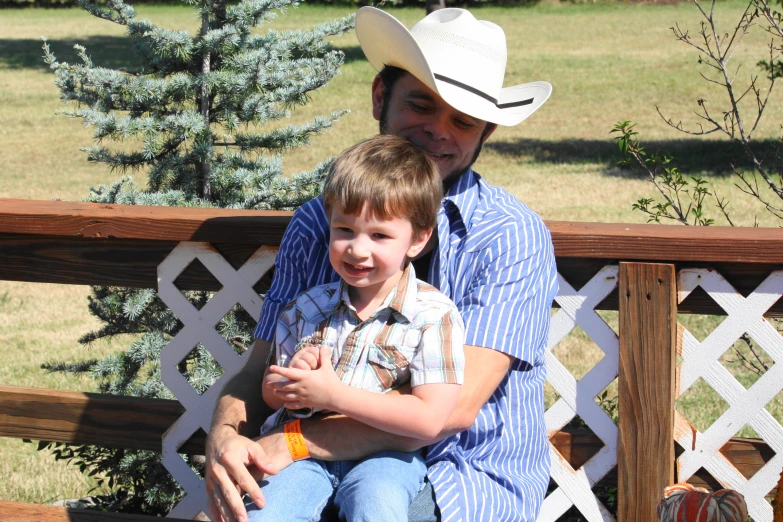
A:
(460, 58)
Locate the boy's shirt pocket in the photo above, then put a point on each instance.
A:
(388, 365)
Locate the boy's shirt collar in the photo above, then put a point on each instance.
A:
(401, 299)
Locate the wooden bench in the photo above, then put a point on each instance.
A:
(638, 267)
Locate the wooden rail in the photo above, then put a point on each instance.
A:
(21, 512)
(90, 244)
(119, 245)
(89, 418)
(139, 424)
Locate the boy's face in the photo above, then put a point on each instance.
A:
(370, 253)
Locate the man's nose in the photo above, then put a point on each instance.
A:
(437, 126)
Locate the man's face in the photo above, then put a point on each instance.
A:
(414, 112)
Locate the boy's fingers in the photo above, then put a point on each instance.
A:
(325, 354)
(283, 386)
(287, 396)
(288, 373)
(311, 360)
(300, 364)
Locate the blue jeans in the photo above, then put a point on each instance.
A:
(379, 487)
(423, 508)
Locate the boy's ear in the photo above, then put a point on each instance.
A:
(418, 243)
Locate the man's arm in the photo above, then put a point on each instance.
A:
(239, 413)
(336, 437)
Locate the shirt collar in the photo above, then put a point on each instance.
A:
(462, 194)
(402, 298)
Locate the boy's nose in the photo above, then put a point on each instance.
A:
(358, 249)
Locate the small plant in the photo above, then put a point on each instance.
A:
(683, 199)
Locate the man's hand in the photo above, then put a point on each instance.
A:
(305, 388)
(229, 455)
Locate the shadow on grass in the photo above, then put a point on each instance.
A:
(353, 53)
(691, 156)
(114, 52)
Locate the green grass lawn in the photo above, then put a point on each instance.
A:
(606, 63)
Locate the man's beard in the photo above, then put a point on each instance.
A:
(450, 178)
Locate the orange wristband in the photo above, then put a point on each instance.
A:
(294, 440)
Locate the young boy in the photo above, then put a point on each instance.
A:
(341, 346)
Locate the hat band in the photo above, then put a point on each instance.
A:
(482, 94)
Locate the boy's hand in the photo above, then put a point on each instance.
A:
(305, 359)
(315, 388)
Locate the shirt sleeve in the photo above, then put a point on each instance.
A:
(302, 262)
(286, 336)
(509, 304)
(440, 357)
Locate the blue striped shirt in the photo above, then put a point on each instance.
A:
(496, 262)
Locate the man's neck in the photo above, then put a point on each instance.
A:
(452, 179)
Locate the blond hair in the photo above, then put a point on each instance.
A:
(391, 176)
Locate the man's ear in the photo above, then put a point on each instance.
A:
(418, 243)
(378, 90)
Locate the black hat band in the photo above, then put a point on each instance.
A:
(483, 94)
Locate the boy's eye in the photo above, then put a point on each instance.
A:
(345, 230)
(378, 235)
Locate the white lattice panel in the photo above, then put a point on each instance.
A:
(199, 326)
(577, 397)
(746, 406)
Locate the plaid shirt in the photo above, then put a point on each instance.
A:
(416, 335)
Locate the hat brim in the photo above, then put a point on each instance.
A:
(386, 41)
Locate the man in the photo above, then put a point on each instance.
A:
(439, 86)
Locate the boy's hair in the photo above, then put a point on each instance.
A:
(392, 176)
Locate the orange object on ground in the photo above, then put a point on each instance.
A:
(777, 513)
(685, 503)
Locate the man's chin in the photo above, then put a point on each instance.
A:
(452, 177)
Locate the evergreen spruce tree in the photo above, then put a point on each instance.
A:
(194, 106)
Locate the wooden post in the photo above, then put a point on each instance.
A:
(648, 327)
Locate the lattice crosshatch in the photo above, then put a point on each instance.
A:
(199, 327)
(577, 397)
(700, 360)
